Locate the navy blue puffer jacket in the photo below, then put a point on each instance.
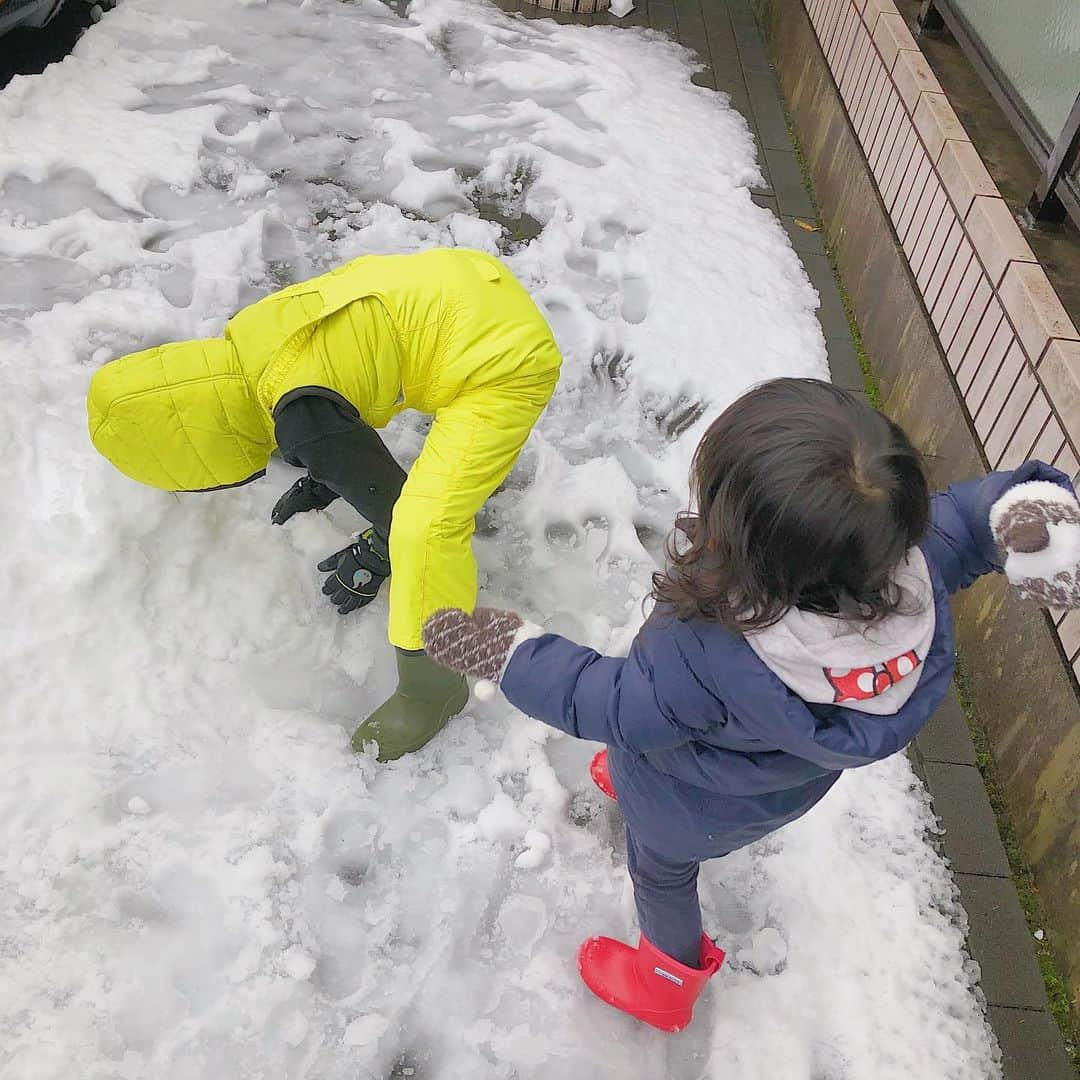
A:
(708, 749)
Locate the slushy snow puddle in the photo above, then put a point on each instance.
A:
(200, 880)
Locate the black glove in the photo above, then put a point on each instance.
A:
(306, 494)
(358, 572)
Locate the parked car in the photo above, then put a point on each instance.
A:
(29, 13)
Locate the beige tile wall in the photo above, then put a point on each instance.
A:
(1009, 343)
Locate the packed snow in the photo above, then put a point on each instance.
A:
(200, 879)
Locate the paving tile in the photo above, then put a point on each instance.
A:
(767, 201)
(936, 122)
(691, 22)
(946, 737)
(844, 363)
(1034, 307)
(787, 182)
(729, 74)
(638, 17)
(769, 118)
(662, 18)
(999, 940)
(913, 76)
(831, 314)
(741, 12)
(751, 50)
(971, 839)
(718, 27)
(805, 241)
(1031, 1046)
(766, 176)
(706, 77)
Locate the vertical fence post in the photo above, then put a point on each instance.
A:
(1045, 204)
(929, 18)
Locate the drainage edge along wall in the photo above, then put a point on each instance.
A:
(1021, 684)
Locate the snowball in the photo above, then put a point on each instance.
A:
(538, 844)
(295, 1029)
(501, 819)
(297, 963)
(366, 1030)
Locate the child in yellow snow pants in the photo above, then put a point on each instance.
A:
(313, 371)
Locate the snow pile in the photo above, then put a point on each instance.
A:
(199, 878)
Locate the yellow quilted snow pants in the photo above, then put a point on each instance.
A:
(472, 446)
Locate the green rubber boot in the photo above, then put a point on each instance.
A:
(426, 697)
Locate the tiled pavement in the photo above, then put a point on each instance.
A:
(726, 38)
(725, 35)
(998, 935)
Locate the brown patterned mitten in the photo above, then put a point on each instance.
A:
(1038, 526)
(480, 644)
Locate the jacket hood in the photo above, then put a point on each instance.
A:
(868, 668)
(180, 417)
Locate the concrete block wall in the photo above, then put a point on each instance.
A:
(1008, 341)
(873, 125)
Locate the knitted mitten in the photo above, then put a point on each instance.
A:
(1038, 526)
(480, 644)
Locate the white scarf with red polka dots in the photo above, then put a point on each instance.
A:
(872, 668)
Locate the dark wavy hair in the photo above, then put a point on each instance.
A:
(805, 497)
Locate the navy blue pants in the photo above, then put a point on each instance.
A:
(665, 892)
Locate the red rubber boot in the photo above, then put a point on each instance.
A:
(598, 770)
(645, 982)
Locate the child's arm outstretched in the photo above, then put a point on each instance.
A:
(613, 700)
(969, 534)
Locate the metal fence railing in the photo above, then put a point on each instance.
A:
(1057, 153)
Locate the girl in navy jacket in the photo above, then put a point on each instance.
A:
(802, 627)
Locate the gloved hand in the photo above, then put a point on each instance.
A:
(1038, 526)
(480, 644)
(306, 494)
(358, 572)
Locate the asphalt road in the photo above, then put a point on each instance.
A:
(28, 52)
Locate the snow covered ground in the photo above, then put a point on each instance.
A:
(200, 880)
